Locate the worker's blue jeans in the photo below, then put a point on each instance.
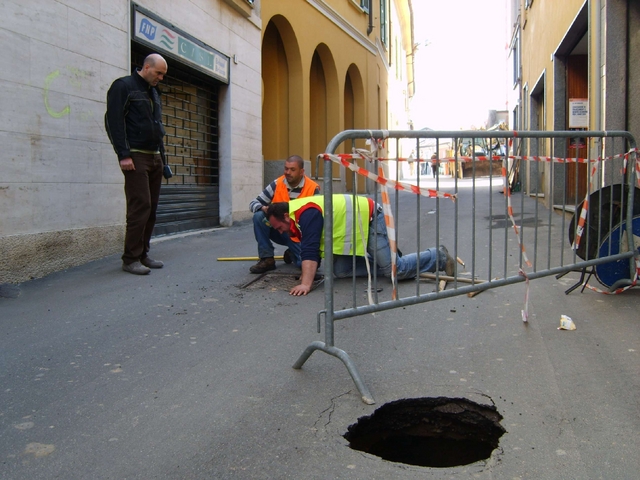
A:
(265, 235)
(406, 265)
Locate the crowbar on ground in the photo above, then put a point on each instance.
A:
(229, 259)
(448, 278)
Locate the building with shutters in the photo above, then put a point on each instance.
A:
(61, 190)
(249, 83)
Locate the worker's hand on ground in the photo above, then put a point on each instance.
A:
(300, 290)
(309, 269)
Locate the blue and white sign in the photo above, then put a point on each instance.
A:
(167, 39)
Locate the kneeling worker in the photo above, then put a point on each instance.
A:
(303, 218)
(293, 184)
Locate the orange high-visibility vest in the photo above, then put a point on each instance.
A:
(282, 194)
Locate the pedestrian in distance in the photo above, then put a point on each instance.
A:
(291, 185)
(434, 164)
(304, 219)
(133, 121)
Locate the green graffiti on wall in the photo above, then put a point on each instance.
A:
(47, 84)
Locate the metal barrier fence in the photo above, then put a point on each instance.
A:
(557, 214)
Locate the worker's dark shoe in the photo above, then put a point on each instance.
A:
(287, 257)
(136, 268)
(264, 265)
(151, 263)
(450, 263)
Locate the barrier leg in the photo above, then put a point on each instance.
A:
(307, 353)
(344, 357)
(583, 272)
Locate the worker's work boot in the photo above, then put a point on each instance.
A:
(264, 265)
(287, 257)
(450, 263)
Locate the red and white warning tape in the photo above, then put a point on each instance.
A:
(391, 234)
(507, 193)
(343, 159)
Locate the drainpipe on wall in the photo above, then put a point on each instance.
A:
(370, 27)
(597, 100)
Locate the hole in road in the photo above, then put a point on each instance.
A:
(429, 432)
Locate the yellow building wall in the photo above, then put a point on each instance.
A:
(544, 26)
(330, 36)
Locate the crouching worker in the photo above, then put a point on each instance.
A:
(293, 184)
(303, 218)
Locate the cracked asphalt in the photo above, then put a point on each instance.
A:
(181, 374)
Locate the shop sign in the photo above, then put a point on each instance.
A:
(167, 39)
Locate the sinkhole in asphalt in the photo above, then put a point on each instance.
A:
(436, 432)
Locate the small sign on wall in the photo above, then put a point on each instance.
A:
(578, 113)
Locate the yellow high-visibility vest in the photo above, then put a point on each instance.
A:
(346, 232)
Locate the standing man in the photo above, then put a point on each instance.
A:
(293, 184)
(134, 124)
(434, 164)
(304, 218)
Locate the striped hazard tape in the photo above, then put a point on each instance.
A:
(343, 159)
(583, 213)
(535, 158)
(507, 193)
(391, 234)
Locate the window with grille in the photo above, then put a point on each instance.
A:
(190, 199)
(190, 117)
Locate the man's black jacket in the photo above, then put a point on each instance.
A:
(131, 121)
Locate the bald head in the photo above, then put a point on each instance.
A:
(153, 69)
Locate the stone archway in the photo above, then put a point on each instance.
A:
(282, 93)
(354, 118)
(325, 100)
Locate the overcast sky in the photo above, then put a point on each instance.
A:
(460, 65)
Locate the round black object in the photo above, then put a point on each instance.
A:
(607, 208)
